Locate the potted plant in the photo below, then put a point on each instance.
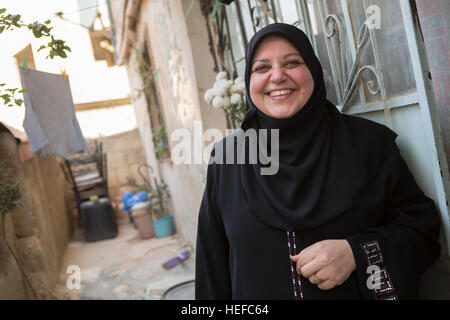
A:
(159, 199)
(161, 215)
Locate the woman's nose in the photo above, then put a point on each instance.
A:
(277, 75)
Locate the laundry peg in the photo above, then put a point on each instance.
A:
(64, 73)
(25, 64)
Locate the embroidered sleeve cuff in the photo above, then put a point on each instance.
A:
(371, 267)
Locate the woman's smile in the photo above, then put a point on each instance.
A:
(281, 94)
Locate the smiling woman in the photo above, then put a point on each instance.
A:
(342, 205)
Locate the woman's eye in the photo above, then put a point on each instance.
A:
(260, 68)
(293, 63)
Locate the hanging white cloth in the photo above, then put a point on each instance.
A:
(50, 122)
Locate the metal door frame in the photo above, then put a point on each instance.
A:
(429, 113)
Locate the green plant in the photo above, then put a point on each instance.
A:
(56, 47)
(9, 191)
(146, 75)
(9, 198)
(159, 192)
(235, 112)
(162, 197)
(158, 135)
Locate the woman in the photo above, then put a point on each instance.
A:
(341, 219)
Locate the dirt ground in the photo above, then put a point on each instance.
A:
(124, 268)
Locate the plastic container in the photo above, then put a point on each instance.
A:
(98, 219)
(125, 197)
(130, 199)
(164, 226)
(142, 219)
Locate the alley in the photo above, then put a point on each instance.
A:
(126, 267)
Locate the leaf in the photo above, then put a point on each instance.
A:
(22, 91)
(2, 84)
(62, 54)
(18, 102)
(47, 22)
(41, 47)
(6, 98)
(2, 28)
(52, 54)
(36, 33)
(2, 10)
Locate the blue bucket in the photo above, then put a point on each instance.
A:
(164, 226)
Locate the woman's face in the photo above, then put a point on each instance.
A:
(280, 81)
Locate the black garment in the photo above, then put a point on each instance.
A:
(340, 177)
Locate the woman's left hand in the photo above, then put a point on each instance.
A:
(326, 263)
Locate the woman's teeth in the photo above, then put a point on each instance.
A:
(279, 92)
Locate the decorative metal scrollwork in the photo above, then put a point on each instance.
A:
(263, 11)
(346, 83)
(330, 31)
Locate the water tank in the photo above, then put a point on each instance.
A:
(99, 220)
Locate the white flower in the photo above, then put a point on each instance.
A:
(221, 86)
(235, 98)
(238, 88)
(209, 95)
(226, 102)
(218, 102)
(221, 75)
(238, 80)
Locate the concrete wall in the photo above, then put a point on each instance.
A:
(38, 230)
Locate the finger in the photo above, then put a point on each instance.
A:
(310, 252)
(298, 267)
(317, 277)
(310, 268)
(326, 285)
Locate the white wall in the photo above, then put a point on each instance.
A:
(180, 52)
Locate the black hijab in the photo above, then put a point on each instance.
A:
(321, 174)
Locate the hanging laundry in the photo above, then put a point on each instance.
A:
(50, 122)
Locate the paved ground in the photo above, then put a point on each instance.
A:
(126, 267)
